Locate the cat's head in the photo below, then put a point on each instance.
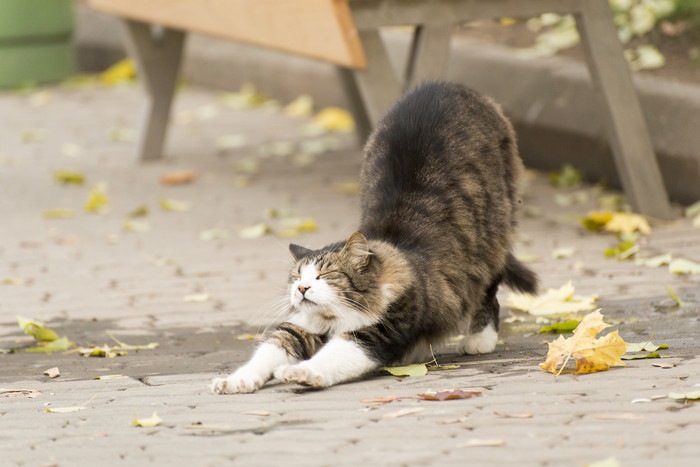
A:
(332, 288)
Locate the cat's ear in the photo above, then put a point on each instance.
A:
(298, 251)
(358, 248)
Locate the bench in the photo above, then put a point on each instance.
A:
(346, 33)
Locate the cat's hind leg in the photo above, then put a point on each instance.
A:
(481, 331)
(338, 361)
(288, 344)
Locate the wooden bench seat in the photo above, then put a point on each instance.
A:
(346, 33)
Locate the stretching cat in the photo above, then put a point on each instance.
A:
(439, 193)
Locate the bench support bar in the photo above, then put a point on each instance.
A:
(158, 53)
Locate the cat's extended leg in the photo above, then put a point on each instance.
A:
(482, 334)
(340, 360)
(289, 343)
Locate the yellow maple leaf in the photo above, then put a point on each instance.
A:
(628, 223)
(121, 72)
(589, 353)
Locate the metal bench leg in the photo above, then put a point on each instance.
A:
(629, 138)
(363, 127)
(158, 55)
(429, 55)
(377, 84)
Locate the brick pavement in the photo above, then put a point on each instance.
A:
(85, 275)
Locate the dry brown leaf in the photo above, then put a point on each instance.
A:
(450, 394)
(30, 393)
(52, 372)
(589, 353)
(513, 415)
(178, 177)
(664, 365)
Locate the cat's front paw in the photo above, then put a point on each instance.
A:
(301, 374)
(239, 382)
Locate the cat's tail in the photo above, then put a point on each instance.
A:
(519, 277)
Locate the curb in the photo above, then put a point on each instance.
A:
(550, 100)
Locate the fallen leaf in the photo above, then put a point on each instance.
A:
(334, 119)
(64, 409)
(260, 413)
(440, 367)
(33, 135)
(59, 213)
(665, 366)
(247, 337)
(213, 234)
(450, 394)
(153, 420)
(641, 356)
(69, 177)
(693, 210)
(595, 221)
(30, 393)
(246, 97)
(52, 372)
(196, 298)
(624, 250)
(418, 369)
(590, 354)
(97, 200)
(178, 177)
(647, 346)
(168, 204)
(514, 415)
(121, 72)
(402, 413)
(54, 346)
(136, 226)
(385, 399)
(552, 302)
(568, 176)
(564, 252)
(13, 281)
(125, 346)
(248, 165)
(36, 329)
(254, 231)
(302, 106)
(570, 199)
(645, 57)
(560, 327)
(141, 211)
(528, 257)
(108, 377)
(478, 442)
(684, 396)
(104, 351)
(628, 223)
(683, 266)
(656, 261)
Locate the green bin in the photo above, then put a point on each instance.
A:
(35, 41)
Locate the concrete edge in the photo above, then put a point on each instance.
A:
(550, 100)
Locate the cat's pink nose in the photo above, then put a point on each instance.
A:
(303, 289)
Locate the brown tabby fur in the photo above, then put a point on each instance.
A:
(439, 193)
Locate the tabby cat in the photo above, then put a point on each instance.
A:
(439, 190)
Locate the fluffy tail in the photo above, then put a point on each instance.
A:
(519, 277)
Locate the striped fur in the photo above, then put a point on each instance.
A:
(439, 194)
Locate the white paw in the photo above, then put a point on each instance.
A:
(481, 342)
(239, 382)
(301, 374)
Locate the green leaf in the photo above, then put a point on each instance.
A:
(69, 177)
(168, 204)
(141, 211)
(153, 420)
(418, 369)
(97, 201)
(673, 295)
(36, 329)
(688, 396)
(644, 347)
(59, 213)
(560, 327)
(55, 346)
(568, 176)
(684, 266)
(640, 356)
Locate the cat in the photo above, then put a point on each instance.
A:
(439, 195)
